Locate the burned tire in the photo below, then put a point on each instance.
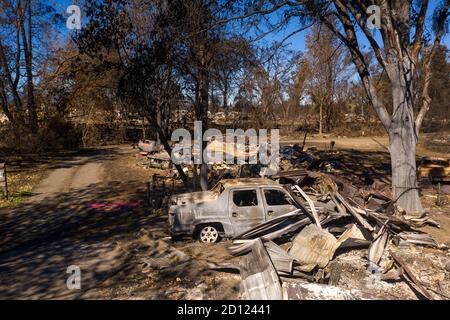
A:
(208, 234)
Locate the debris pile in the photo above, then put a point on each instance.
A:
(340, 207)
(152, 155)
(333, 215)
(434, 169)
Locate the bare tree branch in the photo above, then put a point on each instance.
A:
(351, 41)
(419, 25)
(361, 20)
(440, 23)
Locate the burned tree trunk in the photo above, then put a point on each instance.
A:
(399, 64)
(4, 104)
(403, 137)
(28, 52)
(320, 119)
(165, 143)
(403, 163)
(203, 116)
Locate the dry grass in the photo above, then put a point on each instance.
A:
(21, 182)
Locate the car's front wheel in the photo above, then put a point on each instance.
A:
(208, 234)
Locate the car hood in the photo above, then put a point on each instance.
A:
(194, 197)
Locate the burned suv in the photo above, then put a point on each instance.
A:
(229, 209)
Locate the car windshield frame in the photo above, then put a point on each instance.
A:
(218, 188)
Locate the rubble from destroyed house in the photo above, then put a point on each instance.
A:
(434, 169)
(353, 213)
(331, 222)
(160, 160)
(147, 146)
(226, 117)
(153, 155)
(340, 209)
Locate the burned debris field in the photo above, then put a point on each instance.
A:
(343, 240)
(224, 150)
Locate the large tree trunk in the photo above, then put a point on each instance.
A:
(398, 57)
(202, 111)
(403, 140)
(159, 121)
(404, 176)
(9, 80)
(225, 97)
(28, 51)
(165, 142)
(4, 104)
(203, 104)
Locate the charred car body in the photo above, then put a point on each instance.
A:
(230, 208)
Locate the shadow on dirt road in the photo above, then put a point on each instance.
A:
(74, 223)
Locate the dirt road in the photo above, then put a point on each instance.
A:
(90, 213)
(378, 144)
(58, 227)
(76, 174)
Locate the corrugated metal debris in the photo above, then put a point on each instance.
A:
(260, 280)
(326, 221)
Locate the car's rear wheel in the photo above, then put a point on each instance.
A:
(208, 234)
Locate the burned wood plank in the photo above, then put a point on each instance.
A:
(295, 173)
(354, 244)
(411, 276)
(339, 206)
(224, 267)
(166, 259)
(421, 221)
(393, 275)
(299, 202)
(407, 238)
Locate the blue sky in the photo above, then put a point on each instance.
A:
(297, 42)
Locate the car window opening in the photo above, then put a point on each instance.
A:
(276, 197)
(245, 198)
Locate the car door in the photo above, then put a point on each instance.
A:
(246, 209)
(277, 202)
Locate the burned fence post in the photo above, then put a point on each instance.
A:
(4, 180)
(154, 200)
(153, 190)
(438, 200)
(151, 187)
(149, 201)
